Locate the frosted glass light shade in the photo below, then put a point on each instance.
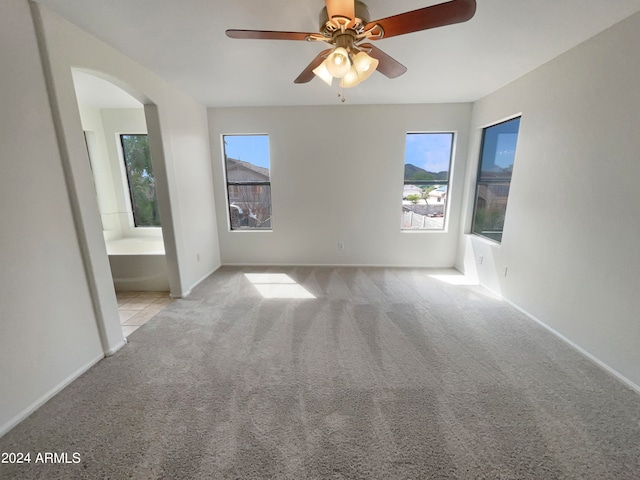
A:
(338, 63)
(365, 65)
(322, 72)
(351, 79)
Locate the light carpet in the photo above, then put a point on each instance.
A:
(351, 373)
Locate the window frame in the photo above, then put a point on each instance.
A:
(252, 183)
(487, 182)
(447, 182)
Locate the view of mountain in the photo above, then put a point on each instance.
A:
(413, 173)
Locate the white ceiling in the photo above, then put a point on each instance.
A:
(184, 42)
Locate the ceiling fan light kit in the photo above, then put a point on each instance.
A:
(322, 72)
(365, 65)
(350, 79)
(338, 63)
(344, 25)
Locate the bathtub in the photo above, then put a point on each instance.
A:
(138, 264)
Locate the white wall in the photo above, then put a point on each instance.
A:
(102, 127)
(116, 121)
(48, 330)
(179, 140)
(337, 176)
(51, 244)
(101, 169)
(571, 237)
(117, 216)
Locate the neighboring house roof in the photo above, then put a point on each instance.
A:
(438, 192)
(233, 164)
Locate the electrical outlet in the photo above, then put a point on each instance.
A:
(480, 260)
(340, 245)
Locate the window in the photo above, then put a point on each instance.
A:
(497, 155)
(427, 163)
(246, 162)
(142, 185)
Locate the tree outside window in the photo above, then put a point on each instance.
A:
(427, 164)
(142, 186)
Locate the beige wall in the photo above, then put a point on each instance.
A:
(337, 176)
(48, 327)
(571, 234)
(179, 142)
(51, 242)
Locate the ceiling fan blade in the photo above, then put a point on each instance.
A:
(268, 35)
(455, 11)
(341, 8)
(388, 66)
(307, 74)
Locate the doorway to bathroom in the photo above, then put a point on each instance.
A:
(117, 142)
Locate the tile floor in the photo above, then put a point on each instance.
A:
(137, 308)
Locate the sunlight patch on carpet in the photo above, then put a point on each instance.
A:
(277, 285)
(455, 279)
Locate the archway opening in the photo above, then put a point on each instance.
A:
(117, 141)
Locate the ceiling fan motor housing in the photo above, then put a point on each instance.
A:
(328, 26)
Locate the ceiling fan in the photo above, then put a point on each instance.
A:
(345, 25)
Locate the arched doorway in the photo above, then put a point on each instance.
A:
(115, 130)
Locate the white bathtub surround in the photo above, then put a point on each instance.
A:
(138, 264)
(135, 246)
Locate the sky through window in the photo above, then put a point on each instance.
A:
(248, 148)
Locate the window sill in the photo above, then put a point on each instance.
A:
(484, 239)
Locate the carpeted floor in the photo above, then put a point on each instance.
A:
(386, 373)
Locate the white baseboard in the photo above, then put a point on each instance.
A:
(113, 350)
(337, 265)
(584, 352)
(47, 396)
(188, 292)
